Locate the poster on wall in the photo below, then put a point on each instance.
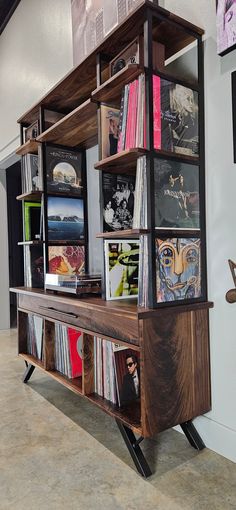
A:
(226, 26)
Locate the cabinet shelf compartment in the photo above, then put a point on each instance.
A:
(129, 416)
(111, 90)
(77, 129)
(31, 146)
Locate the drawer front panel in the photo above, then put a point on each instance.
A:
(100, 322)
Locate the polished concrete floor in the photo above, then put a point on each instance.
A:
(59, 452)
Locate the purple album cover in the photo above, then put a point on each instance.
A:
(226, 25)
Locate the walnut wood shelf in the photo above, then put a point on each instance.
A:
(111, 90)
(34, 242)
(120, 234)
(122, 162)
(74, 385)
(130, 417)
(177, 156)
(33, 196)
(77, 129)
(29, 147)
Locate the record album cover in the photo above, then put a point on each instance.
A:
(109, 130)
(66, 260)
(178, 269)
(118, 201)
(176, 195)
(121, 268)
(64, 170)
(65, 219)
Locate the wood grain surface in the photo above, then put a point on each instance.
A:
(88, 364)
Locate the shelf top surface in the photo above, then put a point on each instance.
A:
(125, 307)
(78, 84)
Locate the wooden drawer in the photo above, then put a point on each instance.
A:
(103, 322)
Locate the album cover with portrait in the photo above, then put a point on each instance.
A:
(109, 120)
(226, 26)
(175, 117)
(178, 269)
(121, 268)
(176, 195)
(64, 170)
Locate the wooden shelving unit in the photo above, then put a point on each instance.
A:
(172, 339)
(30, 243)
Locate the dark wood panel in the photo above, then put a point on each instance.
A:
(88, 364)
(77, 129)
(102, 321)
(170, 392)
(49, 345)
(201, 355)
(22, 329)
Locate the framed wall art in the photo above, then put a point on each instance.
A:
(226, 26)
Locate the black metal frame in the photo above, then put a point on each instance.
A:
(233, 84)
(28, 372)
(136, 453)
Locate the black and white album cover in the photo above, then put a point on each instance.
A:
(64, 170)
(118, 202)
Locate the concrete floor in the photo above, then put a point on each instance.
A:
(58, 451)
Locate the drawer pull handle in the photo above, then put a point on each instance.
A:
(51, 309)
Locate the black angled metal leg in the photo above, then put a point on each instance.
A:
(134, 449)
(28, 373)
(192, 435)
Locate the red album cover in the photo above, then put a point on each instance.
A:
(131, 116)
(75, 348)
(157, 112)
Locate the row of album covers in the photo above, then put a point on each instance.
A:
(127, 263)
(124, 197)
(116, 367)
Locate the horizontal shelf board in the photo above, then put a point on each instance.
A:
(30, 147)
(35, 196)
(32, 242)
(67, 243)
(78, 84)
(111, 90)
(130, 416)
(122, 161)
(32, 360)
(179, 232)
(77, 129)
(176, 156)
(119, 234)
(73, 384)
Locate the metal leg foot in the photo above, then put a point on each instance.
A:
(134, 450)
(28, 373)
(192, 435)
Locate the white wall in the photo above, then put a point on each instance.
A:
(218, 428)
(35, 52)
